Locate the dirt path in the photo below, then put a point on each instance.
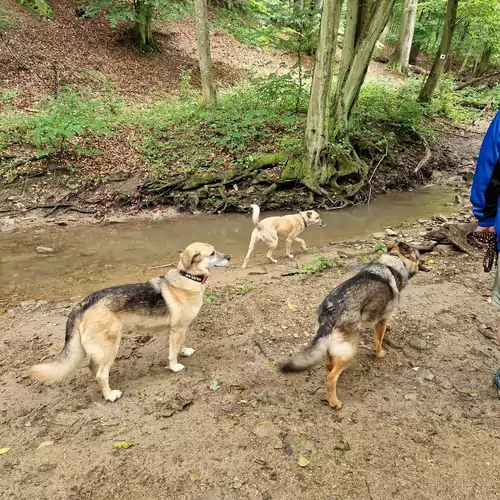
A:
(420, 424)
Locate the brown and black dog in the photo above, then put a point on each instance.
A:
(367, 300)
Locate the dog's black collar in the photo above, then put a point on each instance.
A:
(303, 220)
(198, 279)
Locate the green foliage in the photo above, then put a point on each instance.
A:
(273, 23)
(249, 120)
(210, 298)
(320, 263)
(40, 7)
(60, 124)
(381, 247)
(116, 11)
(385, 114)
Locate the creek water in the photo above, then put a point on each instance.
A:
(87, 258)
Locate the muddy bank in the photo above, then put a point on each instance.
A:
(49, 197)
(419, 424)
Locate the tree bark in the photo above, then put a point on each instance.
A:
(396, 55)
(484, 62)
(204, 55)
(143, 28)
(406, 42)
(317, 126)
(444, 49)
(364, 23)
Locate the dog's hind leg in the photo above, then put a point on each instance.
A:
(339, 365)
(102, 356)
(253, 240)
(272, 242)
(177, 335)
(93, 367)
(378, 337)
(342, 349)
(329, 362)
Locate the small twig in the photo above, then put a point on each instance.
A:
(81, 210)
(160, 267)
(339, 207)
(369, 491)
(373, 173)
(425, 159)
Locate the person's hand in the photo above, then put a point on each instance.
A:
(490, 229)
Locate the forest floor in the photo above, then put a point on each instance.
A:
(422, 423)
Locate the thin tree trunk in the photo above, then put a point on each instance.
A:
(406, 42)
(143, 28)
(444, 49)
(317, 127)
(484, 62)
(396, 55)
(204, 55)
(367, 20)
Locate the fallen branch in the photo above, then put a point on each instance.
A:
(425, 159)
(464, 85)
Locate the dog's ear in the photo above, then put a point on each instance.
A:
(187, 258)
(309, 214)
(404, 248)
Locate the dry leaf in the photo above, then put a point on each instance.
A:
(303, 462)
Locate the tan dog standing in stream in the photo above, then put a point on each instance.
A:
(95, 326)
(271, 229)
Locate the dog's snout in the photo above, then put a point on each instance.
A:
(227, 257)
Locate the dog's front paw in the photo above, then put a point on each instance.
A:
(113, 395)
(176, 367)
(380, 354)
(186, 351)
(336, 403)
(290, 256)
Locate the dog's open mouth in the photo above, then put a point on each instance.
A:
(221, 261)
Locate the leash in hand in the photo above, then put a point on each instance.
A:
(490, 242)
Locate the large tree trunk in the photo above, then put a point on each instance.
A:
(204, 55)
(364, 23)
(406, 42)
(484, 62)
(444, 49)
(317, 127)
(143, 29)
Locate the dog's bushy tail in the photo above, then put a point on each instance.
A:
(68, 359)
(255, 214)
(317, 349)
(308, 357)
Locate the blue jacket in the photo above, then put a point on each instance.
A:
(485, 193)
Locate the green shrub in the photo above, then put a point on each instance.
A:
(40, 7)
(60, 124)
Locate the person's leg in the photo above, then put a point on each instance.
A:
(495, 297)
